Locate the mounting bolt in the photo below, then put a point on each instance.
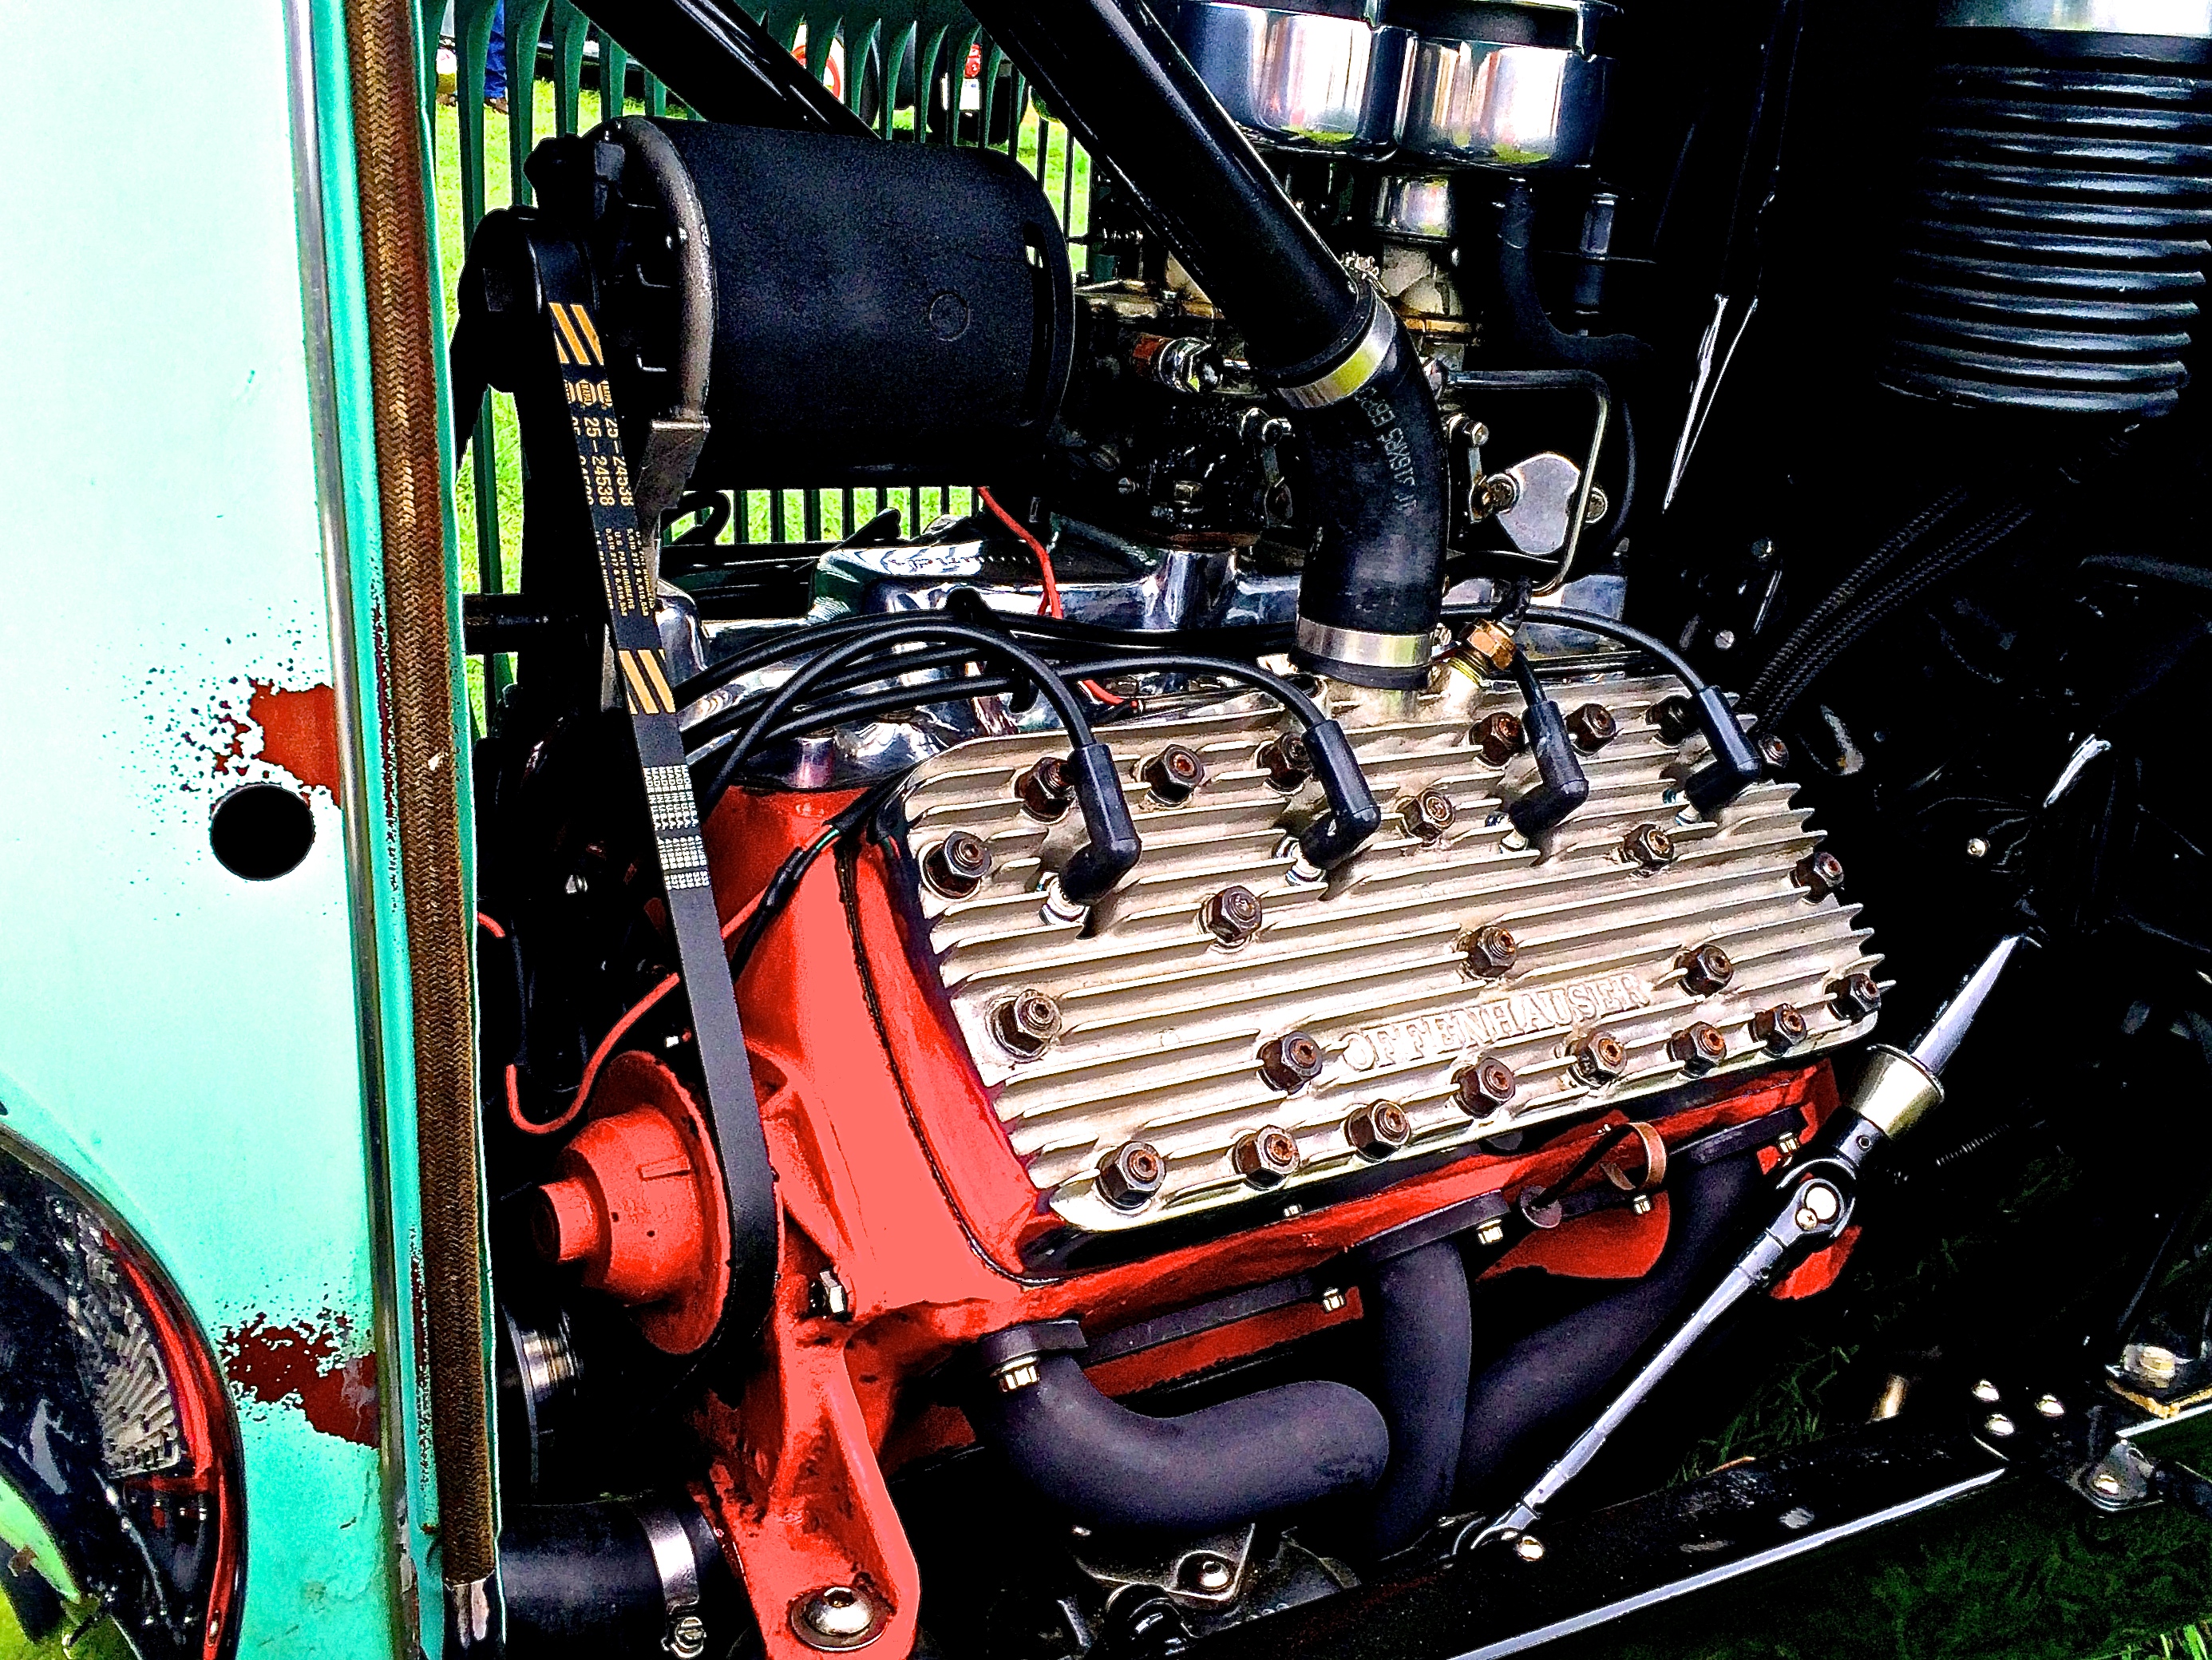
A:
(1528, 1547)
(1780, 1028)
(1427, 816)
(2050, 1406)
(827, 1297)
(1997, 1424)
(1854, 996)
(1599, 504)
(1377, 1130)
(1128, 1180)
(2150, 1363)
(1819, 874)
(1774, 752)
(1705, 970)
(833, 1618)
(1232, 916)
(1492, 644)
(2106, 1484)
(1977, 848)
(1044, 790)
(1264, 1156)
(956, 867)
(1290, 1061)
(1598, 1059)
(1174, 774)
(1674, 717)
(1499, 736)
(1699, 1046)
(1641, 1204)
(1485, 1087)
(1492, 1232)
(1331, 1300)
(1648, 847)
(1026, 1025)
(1592, 727)
(1286, 762)
(686, 1637)
(1988, 1393)
(1490, 951)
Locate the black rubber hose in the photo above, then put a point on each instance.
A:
(1541, 1388)
(727, 66)
(1259, 1455)
(1522, 333)
(581, 1580)
(1423, 1349)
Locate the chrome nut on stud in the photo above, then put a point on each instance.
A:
(1026, 1025)
(1490, 951)
(1499, 736)
(1378, 1129)
(1129, 1179)
(1427, 816)
(1485, 1087)
(1706, 970)
(1290, 1061)
(1264, 1156)
(956, 867)
(1286, 762)
(1648, 847)
(1854, 996)
(1780, 1028)
(1232, 916)
(1174, 774)
(1598, 1058)
(1045, 790)
(1819, 874)
(1592, 727)
(1699, 1046)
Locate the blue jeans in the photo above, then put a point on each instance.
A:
(495, 60)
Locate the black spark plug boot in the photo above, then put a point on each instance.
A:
(1353, 814)
(1561, 785)
(1734, 767)
(1111, 851)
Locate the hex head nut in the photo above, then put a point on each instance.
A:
(1781, 1028)
(1773, 753)
(1648, 847)
(1486, 1086)
(1854, 996)
(1705, 970)
(1378, 1129)
(1232, 916)
(1697, 1048)
(956, 867)
(1264, 1156)
(1027, 1024)
(1290, 1061)
(1819, 874)
(1427, 816)
(1598, 1058)
(1497, 736)
(1045, 790)
(1128, 1180)
(1286, 762)
(1592, 728)
(1490, 951)
(1674, 717)
(1173, 774)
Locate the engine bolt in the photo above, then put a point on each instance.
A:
(1427, 816)
(1045, 790)
(1264, 1156)
(1232, 916)
(1174, 775)
(1706, 970)
(1599, 504)
(1499, 736)
(1988, 1393)
(1132, 1176)
(1854, 996)
(1286, 762)
(1819, 874)
(1290, 1061)
(1490, 951)
(1780, 1028)
(1598, 1058)
(1774, 750)
(1378, 1129)
(1592, 727)
(1026, 1023)
(1486, 1087)
(1699, 1047)
(2050, 1406)
(1674, 717)
(1997, 1424)
(1528, 1547)
(956, 867)
(834, 1617)
(1648, 847)
(1492, 644)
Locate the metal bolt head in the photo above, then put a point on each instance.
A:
(956, 867)
(1027, 1024)
(2050, 1406)
(1378, 1129)
(1492, 644)
(1648, 847)
(1699, 1046)
(1592, 727)
(1854, 996)
(1264, 1156)
(1674, 717)
(1492, 1232)
(1820, 1200)
(1128, 1180)
(1988, 1393)
(1286, 762)
(1598, 1058)
(1774, 753)
(835, 1617)
(1498, 492)
(1499, 736)
(1490, 951)
(1331, 1300)
(1045, 789)
(687, 1638)
(1724, 640)
(1997, 1424)
(1290, 1061)
(1819, 874)
(1427, 816)
(2151, 1363)
(1173, 774)
(1486, 1086)
(1528, 1547)
(1977, 848)
(1207, 1573)
(1232, 916)
(1600, 505)
(2106, 1483)
(1641, 1204)
(1705, 970)
(1780, 1028)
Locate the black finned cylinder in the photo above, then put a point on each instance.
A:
(2061, 226)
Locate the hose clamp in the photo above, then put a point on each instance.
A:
(1364, 648)
(1359, 366)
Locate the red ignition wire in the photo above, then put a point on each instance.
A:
(1050, 605)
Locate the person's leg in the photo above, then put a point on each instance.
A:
(495, 60)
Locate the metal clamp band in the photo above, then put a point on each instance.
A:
(1361, 365)
(1363, 646)
(673, 1557)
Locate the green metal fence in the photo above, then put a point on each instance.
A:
(912, 72)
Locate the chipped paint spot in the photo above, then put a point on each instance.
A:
(297, 730)
(301, 1365)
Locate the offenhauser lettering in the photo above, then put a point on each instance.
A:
(1522, 1013)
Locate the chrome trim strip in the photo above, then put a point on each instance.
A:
(2188, 20)
(1363, 646)
(1361, 365)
